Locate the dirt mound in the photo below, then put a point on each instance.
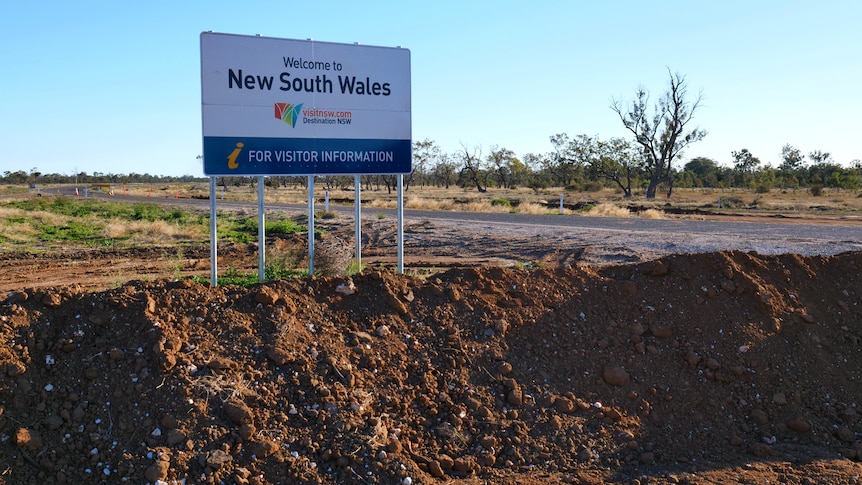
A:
(713, 368)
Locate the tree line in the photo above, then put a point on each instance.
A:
(575, 163)
(645, 162)
(34, 176)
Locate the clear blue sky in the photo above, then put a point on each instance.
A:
(114, 87)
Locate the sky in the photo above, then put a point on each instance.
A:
(115, 87)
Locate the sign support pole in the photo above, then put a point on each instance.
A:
(357, 191)
(261, 230)
(400, 223)
(213, 235)
(311, 225)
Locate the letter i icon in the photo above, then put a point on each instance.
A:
(231, 159)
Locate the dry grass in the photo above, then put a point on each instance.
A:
(481, 205)
(151, 231)
(651, 214)
(436, 198)
(13, 231)
(224, 386)
(608, 210)
(7, 213)
(416, 202)
(332, 256)
(18, 226)
(535, 208)
(381, 204)
(47, 218)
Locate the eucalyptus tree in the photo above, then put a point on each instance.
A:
(501, 163)
(664, 133)
(570, 157)
(618, 161)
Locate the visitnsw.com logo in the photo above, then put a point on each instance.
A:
(288, 113)
(291, 113)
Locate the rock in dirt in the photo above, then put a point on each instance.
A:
(216, 459)
(266, 296)
(157, 471)
(238, 411)
(616, 376)
(28, 439)
(799, 424)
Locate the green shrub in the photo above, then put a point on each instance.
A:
(502, 202)
(283, 226)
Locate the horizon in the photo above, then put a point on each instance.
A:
(115, 88)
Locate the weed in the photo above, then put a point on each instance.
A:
(324, 214)
(232, 276)
(354, 268)
(175, 263)
(244, 229)
(283, 226)
(279, 270)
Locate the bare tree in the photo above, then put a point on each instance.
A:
(662, 136)
(472, 161)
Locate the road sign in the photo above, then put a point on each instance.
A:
(291, 107)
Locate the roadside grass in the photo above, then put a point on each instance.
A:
(652, 214)
(608, 210)
(244, 229)
(54, 221)
(31, 223)
(272, 271)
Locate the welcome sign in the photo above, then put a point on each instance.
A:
(290, 107)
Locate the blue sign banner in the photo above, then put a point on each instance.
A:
(247, 156)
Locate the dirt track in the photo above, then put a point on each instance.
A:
(724, 367)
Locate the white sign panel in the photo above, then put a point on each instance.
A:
(291, 107)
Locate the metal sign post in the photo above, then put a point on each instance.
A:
(400, 223)
(357, 203)
(261, 231)
(213, 235)
(272, 106)
(311, 224)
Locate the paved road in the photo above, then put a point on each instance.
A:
(658, 236)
